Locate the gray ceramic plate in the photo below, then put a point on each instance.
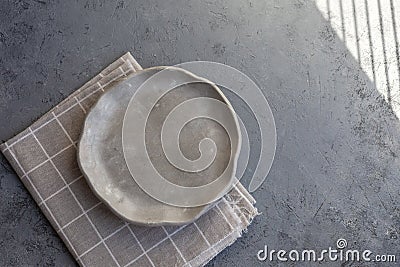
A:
(110, 167)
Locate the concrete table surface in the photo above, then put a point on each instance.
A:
(336, 170)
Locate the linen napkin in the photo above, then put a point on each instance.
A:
(44, 157)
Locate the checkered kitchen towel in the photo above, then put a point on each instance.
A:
(44, 157)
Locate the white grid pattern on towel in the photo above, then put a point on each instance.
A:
(37, 192)
(83, 212)
(73, 194)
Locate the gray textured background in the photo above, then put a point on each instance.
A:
(336, 171)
